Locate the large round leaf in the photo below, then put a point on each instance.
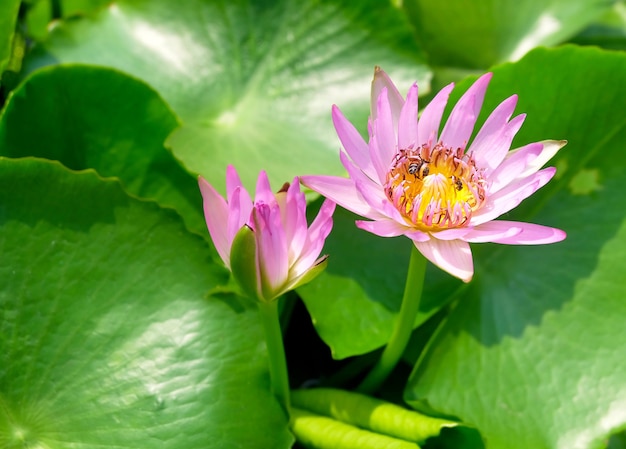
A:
(92, 117)
(478, 33)
(108, 336)
(252, 81)
(533, 354)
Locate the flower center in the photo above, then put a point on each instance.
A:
(435, 188)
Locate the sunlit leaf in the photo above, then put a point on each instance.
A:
(253, 82)
(92, 117)
(478, 33)
(108, 335)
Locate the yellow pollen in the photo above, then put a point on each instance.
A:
(435, 188)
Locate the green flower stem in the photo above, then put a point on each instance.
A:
(276, 351)
(403, 327)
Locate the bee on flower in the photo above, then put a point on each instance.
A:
(442, 190)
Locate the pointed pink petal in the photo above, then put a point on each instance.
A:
(353, 143)
(550, 148)
(376, 156)
(372, 193)
(529, 233)
(493, 141)
(232, 181)
(382, 81)
(369, 190)
(272, 254)
(383, 228)
(357, 175)
(263, 189)
(341, 191)
(510, 196)
(460, 124)
(389, 210)
(385, 131)
(216, 216)
(294, 213)
(492, 231)
(452, 234)
(428, 126)
(453, 256)
(381, 206)
(239, 211)
(407, 126)
(513, 166)
(418, 236)
(319, 230)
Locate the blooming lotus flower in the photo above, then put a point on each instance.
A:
(266, 243)
(438, 188)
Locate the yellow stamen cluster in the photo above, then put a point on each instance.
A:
(435, 188)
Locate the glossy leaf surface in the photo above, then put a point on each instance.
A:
(108, 334)
(476, 34)
(92, 117)
(252, 82)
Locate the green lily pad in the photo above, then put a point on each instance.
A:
(108, 336)
(476, 34)
(94, 117)
(533, 353)
(252, 82)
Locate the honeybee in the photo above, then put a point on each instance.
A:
(419, 168)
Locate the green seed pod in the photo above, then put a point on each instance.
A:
(320, 432)
(369, 413)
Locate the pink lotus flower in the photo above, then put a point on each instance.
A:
(276, 251)
(432, 187)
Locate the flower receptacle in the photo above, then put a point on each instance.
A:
(243, 262)
(312, 273)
